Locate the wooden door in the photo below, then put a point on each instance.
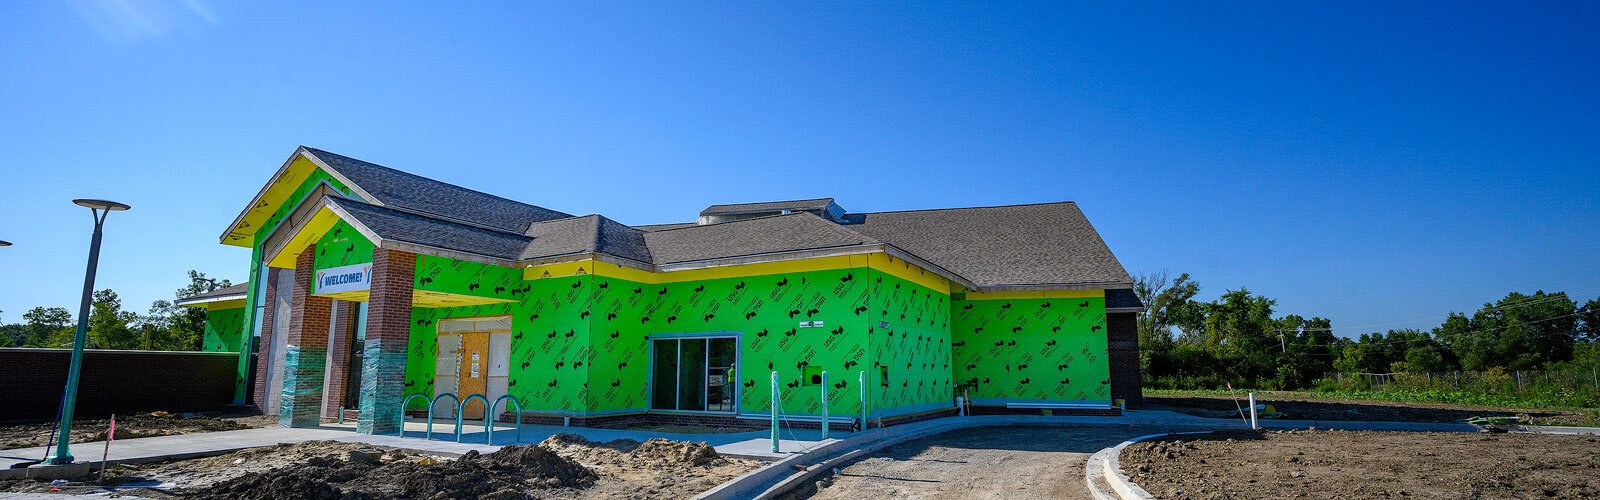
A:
(473, 376)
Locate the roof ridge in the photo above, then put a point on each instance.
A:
(770, 201)
(430, 179)
(697, 225)
(428, 215)
(1013, 205)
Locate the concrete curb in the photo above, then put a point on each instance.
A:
(1106, 464)
(790, 472)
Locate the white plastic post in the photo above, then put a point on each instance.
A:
(776, 400)
(863, 401)
(1253, 425)
(824, 404)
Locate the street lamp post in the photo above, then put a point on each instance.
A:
(99, 209)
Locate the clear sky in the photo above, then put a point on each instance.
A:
(1380, 164)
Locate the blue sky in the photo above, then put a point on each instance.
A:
(1377, 164)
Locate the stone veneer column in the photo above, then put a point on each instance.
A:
(306, 355)
(383, 369)
(263, 345)
(339, 345)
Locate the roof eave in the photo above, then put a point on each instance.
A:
(207, 300)
(1041, 287)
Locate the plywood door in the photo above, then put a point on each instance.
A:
(474, 371)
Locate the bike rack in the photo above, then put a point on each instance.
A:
(461, 410)
(455, 407)
(488, 424)
(403, 406)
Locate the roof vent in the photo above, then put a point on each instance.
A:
(821, 207)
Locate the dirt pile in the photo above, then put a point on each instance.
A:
(1322, 464)
(658, 450)
(128, 427)
(655, 453)
(511, 472)
(564, 467)
(656, 468)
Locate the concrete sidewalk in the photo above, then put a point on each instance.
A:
(754, 444)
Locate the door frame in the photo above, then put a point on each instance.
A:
(490, 333)
(650, 373)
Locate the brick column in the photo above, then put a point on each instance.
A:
(339, 342)
(383, 370)
(1122, 337)
(263, 352)
(305, 358)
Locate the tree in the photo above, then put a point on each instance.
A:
(1239, 329)
(47, 327)
(110, 327)
(1517, 332)
(172, 327)
(1589, 321)
(1165, 300)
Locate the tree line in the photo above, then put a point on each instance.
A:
(1241, 339)
(165, 327)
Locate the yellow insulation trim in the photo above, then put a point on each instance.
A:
(421, 298)
(902, 269)
(306, 236)
(610, 270)
(880, 261)
(276, 195)
(225, 304)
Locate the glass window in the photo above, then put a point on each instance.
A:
(695, 374)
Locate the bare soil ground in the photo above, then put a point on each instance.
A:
(1300, 406)
(981, 463)
(564, 466)
(26, 435)
(1365, 464)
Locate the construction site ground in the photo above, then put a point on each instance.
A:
(1302, 406)
(978, 463)
(563, 466)
(30, 434)
(1366, 464)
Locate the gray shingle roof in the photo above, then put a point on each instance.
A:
(409, 227)
(394, 188)
(1043, 244)
(220, 293)
(767, 206)
(585, 234)
(1049, 244)
(761, 235)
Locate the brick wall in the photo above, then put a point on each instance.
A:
(383, 369)
(1122, 330)
(115, 382)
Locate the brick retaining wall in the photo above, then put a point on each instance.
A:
(115, 382)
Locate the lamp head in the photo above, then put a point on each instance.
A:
(4, 243)
(109, 206)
